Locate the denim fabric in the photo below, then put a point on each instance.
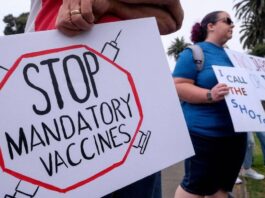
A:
(148, 187)
(250, 146)
(261, 137)
(249, 151)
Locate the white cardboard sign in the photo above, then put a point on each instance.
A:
(249, 62)
(84, 116)
(245, 101)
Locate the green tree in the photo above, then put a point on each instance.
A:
(177, 46)
(258, 50)
(252, 14)
(15, 25)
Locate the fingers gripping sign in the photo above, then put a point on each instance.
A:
(81, 13)
(75, 16)
(219, 91)
(87, 12)
(64, 22)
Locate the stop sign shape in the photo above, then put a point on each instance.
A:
(68, 116)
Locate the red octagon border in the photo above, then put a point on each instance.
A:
(101, 173)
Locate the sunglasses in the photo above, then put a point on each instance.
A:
(226, 20)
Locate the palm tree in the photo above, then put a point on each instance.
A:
(15, 25)
(252, 14)
(258, 50)
(177, 46)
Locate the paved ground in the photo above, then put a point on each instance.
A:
(172, 176)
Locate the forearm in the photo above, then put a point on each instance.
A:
(169, 18)
(176, 11)
(173, 7)
(191, 93)
(165, 21)
(161, 2)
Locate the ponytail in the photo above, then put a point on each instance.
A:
(198, 33)
(199, 30)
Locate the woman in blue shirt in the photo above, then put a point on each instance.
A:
(219, 151)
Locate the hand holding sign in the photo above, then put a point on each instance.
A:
(72, 116)
(83, 111)
(244, 104)
(219, 91)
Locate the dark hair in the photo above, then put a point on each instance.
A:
(199, 30)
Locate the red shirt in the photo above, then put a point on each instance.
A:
(47, 15)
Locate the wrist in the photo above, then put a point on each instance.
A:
(209, 96)
(112, 6)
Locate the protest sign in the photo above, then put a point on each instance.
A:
(84, 116)
(245, 103)
(249, 62)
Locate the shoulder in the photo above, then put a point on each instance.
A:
(210, 46)
(186, 53)
(185, 57)
(185, 60)
(204, 45)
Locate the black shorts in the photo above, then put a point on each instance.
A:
(216, 164)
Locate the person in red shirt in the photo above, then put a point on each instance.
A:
(73, 17)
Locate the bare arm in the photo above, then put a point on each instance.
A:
(72, 24)
(173, 7)
(191, 93)
(162, 2)
(165, 21)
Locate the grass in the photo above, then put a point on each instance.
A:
(256, 188)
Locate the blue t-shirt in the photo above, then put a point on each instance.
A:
(205, 119)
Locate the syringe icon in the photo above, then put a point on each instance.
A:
(3, 72)
(110, 49)
(24, 190)
(2, 67)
